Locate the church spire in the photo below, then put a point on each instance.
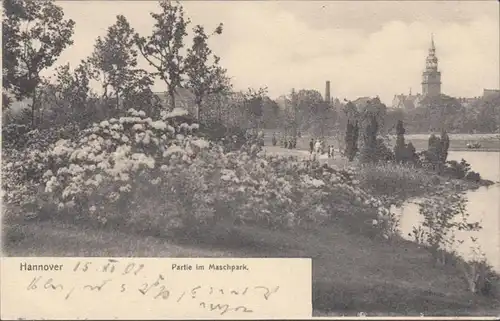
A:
(431, 78)
(432, 61)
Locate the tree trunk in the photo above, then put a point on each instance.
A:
(219, 111)
(33, 108)
(198, 109)
(171, 92)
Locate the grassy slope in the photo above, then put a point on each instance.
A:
(351, 273)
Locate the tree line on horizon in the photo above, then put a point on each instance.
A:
(35, 33)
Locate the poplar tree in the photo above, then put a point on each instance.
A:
(205, 75)
(162, 48)
(399, 149)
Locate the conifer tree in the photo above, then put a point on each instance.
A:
(399, 149)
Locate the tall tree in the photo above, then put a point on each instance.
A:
(253, 102)
(35, 34)
(162, 49)
(488, 117)
(351, 139)
(11, 37)
(369, 151)
(400, 148)
(310, 109)
(205, 76)
(352, 131)
(271, 113)
(434, 151)
(445, 145)
(66, 98)
(115, 59)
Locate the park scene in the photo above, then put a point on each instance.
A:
(149, 145)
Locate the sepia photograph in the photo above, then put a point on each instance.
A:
(363, 135)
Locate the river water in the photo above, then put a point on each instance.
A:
(483, 206)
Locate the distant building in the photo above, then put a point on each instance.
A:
(468, 102)
(431, 77)
(406, 102)
(184, 98)
(431, 83)
(361, 102)
(471, 102)
(491, 93)
(431, 87)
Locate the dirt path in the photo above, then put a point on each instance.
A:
(338, 162)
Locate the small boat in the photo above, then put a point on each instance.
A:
(473, 145)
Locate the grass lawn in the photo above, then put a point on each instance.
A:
(351, 272)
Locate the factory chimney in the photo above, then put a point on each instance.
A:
(327, 91)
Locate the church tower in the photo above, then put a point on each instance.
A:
(431, 77)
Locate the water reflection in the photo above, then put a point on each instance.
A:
(483, 206)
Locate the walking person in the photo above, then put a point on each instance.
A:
(317, 146)
(311, 145)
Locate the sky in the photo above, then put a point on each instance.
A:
(364, 48)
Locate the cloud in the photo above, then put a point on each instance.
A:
(285, 45)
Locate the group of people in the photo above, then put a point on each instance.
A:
(318, 147)
(286, 142)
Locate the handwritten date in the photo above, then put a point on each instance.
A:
(111, 266)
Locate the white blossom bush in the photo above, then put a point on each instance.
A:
(158, 174)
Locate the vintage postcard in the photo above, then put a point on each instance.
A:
(250, 159)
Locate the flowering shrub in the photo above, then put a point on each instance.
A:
(159, 174)
(12, 132)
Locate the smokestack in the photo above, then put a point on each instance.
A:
(327, 91)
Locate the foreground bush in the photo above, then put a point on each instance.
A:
(398, 181)
(461, 170)
(481, 278)
(160, 175)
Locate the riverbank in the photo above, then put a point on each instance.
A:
(401, 182)
(487, 145)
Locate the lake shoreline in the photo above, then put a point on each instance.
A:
(339, 162)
